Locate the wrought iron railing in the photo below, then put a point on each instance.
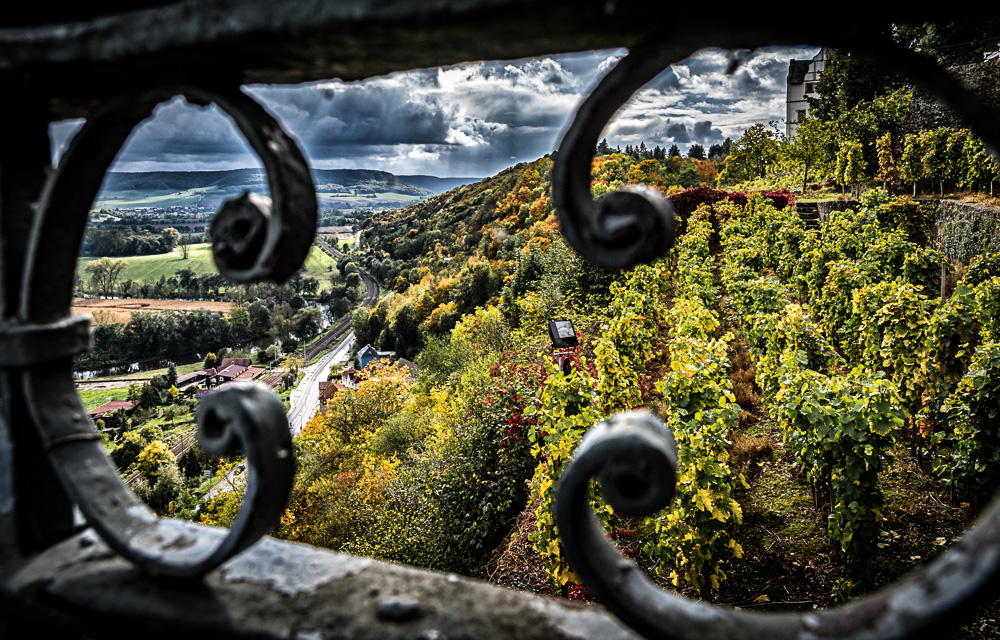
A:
(79, 554)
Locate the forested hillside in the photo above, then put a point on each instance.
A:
(489, 240)
(831, 409)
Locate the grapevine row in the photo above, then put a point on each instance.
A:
(851, 347)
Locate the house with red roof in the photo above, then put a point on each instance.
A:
(107, 411)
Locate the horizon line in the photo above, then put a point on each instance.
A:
(310, 168)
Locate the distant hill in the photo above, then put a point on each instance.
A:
(225, 183)
(455, 222)
(438, 185)
(171, 181)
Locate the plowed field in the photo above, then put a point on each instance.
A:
(104, 311)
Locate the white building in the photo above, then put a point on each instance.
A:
(802, 78)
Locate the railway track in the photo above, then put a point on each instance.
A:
(334, 334)
(177, 450)
(344, 326)
(273, 379)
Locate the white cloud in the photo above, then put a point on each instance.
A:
(469, 119)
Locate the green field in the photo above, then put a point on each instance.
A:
(93, 398)
(132, 199)
(200, 261)
(195, 197)
(380, 195)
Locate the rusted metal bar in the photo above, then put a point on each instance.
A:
(34, 510)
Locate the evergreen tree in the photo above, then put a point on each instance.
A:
(846, 82)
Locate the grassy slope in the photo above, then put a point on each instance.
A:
(361, 200)
(195, 197)
(200, 261)
(133, 199)
(93, 398)
(788, 561)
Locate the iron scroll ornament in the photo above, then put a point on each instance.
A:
(633, 455)
(252, 240)
(636, 224)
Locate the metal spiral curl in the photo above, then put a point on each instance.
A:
(625, 451)
(249, 417)
(623, 228)
(256, 238)
(634, 457)
(246, 414)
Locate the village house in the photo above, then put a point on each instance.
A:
(368, 353)
(229, 370)
(327, 389)
(801, 85)
(106, 412)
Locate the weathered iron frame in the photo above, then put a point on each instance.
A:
(55, 572)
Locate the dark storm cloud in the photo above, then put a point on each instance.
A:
(478, 115)
(470, 119)
(704, 132)
(182, 131)
(375, 115)
(178, 135)
(677, 132)
(709, 101)
(752, 79)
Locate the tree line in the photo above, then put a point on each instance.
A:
(854, 137)
(129, 242)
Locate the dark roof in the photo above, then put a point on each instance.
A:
(111, 407)
(226, 362)
(250, 373)
(231, 371)
(797, 70)
(194, 375)
(328, 387)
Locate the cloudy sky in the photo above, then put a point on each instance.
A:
(472, 119)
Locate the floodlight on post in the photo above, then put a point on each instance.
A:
(564, 341)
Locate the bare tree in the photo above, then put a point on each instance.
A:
(104, 273)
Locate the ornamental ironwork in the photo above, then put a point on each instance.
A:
(80, 554)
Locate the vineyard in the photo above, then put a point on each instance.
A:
(832, 401)
(824, 366)
(806, 376)
(879, 393)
